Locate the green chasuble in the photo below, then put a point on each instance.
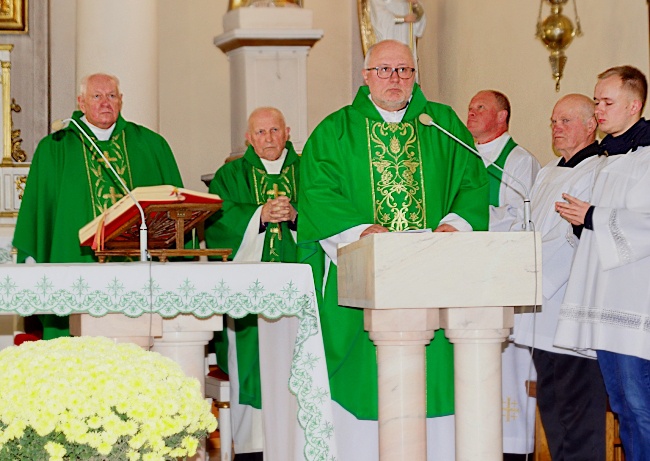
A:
(357, 169)
(244, 185)
(69, 185)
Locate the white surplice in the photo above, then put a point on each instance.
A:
(607, 302)
(558, 248)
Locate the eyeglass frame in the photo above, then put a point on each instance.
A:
(393, 70)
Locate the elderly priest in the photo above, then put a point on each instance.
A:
(69, 184)
(373, 167)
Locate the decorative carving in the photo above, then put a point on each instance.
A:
(17, 153)
(20, 185)
(13, 16)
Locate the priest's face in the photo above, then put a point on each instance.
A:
(573, 125)
(101, 102)
(391, 93)
(267, 133)
(617, 108)
(484, 118)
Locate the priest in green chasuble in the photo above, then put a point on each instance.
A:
(69, 184)
(258, 221)
(373, 167)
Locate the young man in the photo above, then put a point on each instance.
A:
(607, 303)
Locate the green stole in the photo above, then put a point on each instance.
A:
(396, 164)
(104, 190)
(278, 246)
(495, 175)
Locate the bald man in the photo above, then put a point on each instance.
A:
(570, 390)
(372, 167)
(258, 221)
(488, 119)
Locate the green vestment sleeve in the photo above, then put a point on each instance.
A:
(350, 177)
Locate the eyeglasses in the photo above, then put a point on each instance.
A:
(387, 72)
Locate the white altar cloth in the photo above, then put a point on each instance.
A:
(202, 289)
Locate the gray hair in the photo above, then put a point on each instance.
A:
(83, 85)
(366, 61)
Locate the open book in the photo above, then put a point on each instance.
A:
(164, 206)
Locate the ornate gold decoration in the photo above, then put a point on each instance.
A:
(20, 185)
(556, 33)
(13, 16)
(396, 169)
(17, 153)
(233, 4)
(365, 26)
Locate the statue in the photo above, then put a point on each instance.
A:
(233, 4)
(401, 20)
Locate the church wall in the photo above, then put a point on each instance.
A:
(491, 44)
(468, 45)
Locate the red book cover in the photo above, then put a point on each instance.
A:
(119, 225)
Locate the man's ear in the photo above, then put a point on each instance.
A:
(502, 115)
(635, 107)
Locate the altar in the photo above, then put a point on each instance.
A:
(200, 290)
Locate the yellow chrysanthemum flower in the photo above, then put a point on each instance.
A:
(125, 400)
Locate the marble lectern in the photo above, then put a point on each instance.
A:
(411, 284)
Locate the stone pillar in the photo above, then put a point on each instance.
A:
(401, 336)
(477, 334)
(267, 49)
(120, 37)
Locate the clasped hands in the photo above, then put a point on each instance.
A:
(572, 210)
(278, 210)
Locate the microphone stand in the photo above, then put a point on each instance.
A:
(426, 119)
(143, 226)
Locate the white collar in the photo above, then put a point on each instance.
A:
(391, 116)
(101, 133)
(274, 166)
(491, 150)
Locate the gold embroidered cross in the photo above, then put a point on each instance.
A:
(275, 193)
(108, 157)
(112, 195)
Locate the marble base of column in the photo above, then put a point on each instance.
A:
(401, 336)
(477, 334)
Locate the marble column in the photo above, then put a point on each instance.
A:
(477, 334)
(120, 37)
(400, 336)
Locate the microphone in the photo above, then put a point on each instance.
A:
(427, 120)
(60, 124)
